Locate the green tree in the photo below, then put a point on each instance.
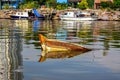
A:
(116, 4)
(29, 5)
(51, 3)
(83, 4)
(6, 6)
(61, 6)
(90, 3)
(105, 4)
(41, 2)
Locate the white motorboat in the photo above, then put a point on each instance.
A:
(27, 14)
(20, 15)
(78, 16)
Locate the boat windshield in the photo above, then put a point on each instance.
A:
(65, 13)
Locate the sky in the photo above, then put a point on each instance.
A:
(61, 1)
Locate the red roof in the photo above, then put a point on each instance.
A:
(99, 1)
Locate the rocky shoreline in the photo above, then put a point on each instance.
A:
(54, 14)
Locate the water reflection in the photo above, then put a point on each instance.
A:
(59, 55)
(10, 53)
(107, 33)
(61, 34)
(23, 25)
(36, 25)
(76, 30)
(103, 36)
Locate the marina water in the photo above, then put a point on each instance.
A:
(20, 50)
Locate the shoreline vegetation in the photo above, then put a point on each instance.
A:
(54, 14)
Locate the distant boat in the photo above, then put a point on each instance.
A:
(32, 14)
(49, 45)
(78, 16)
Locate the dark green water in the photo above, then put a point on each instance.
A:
(20, 50)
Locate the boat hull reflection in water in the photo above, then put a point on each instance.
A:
(59, 54)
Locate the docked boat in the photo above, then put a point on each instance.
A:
(19, 15)
(27, 15)
(78, 16)
(49, 45)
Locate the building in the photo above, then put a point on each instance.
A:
(97, 3)
(11, 3)
(62, 1)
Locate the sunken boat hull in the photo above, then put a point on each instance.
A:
(55, 45)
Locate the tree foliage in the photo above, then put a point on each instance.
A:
(6, 6)
(105, 4)
(116, 4)
(51, 3)
(48, 3)
(61, 6)
(29, 5)
(90, 3)
(83, 4)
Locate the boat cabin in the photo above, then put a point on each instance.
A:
(78, 16)
(28, 14)
(22, 14)
(75, 14)
(69, 14)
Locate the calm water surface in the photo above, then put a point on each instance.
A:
(20, 50)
